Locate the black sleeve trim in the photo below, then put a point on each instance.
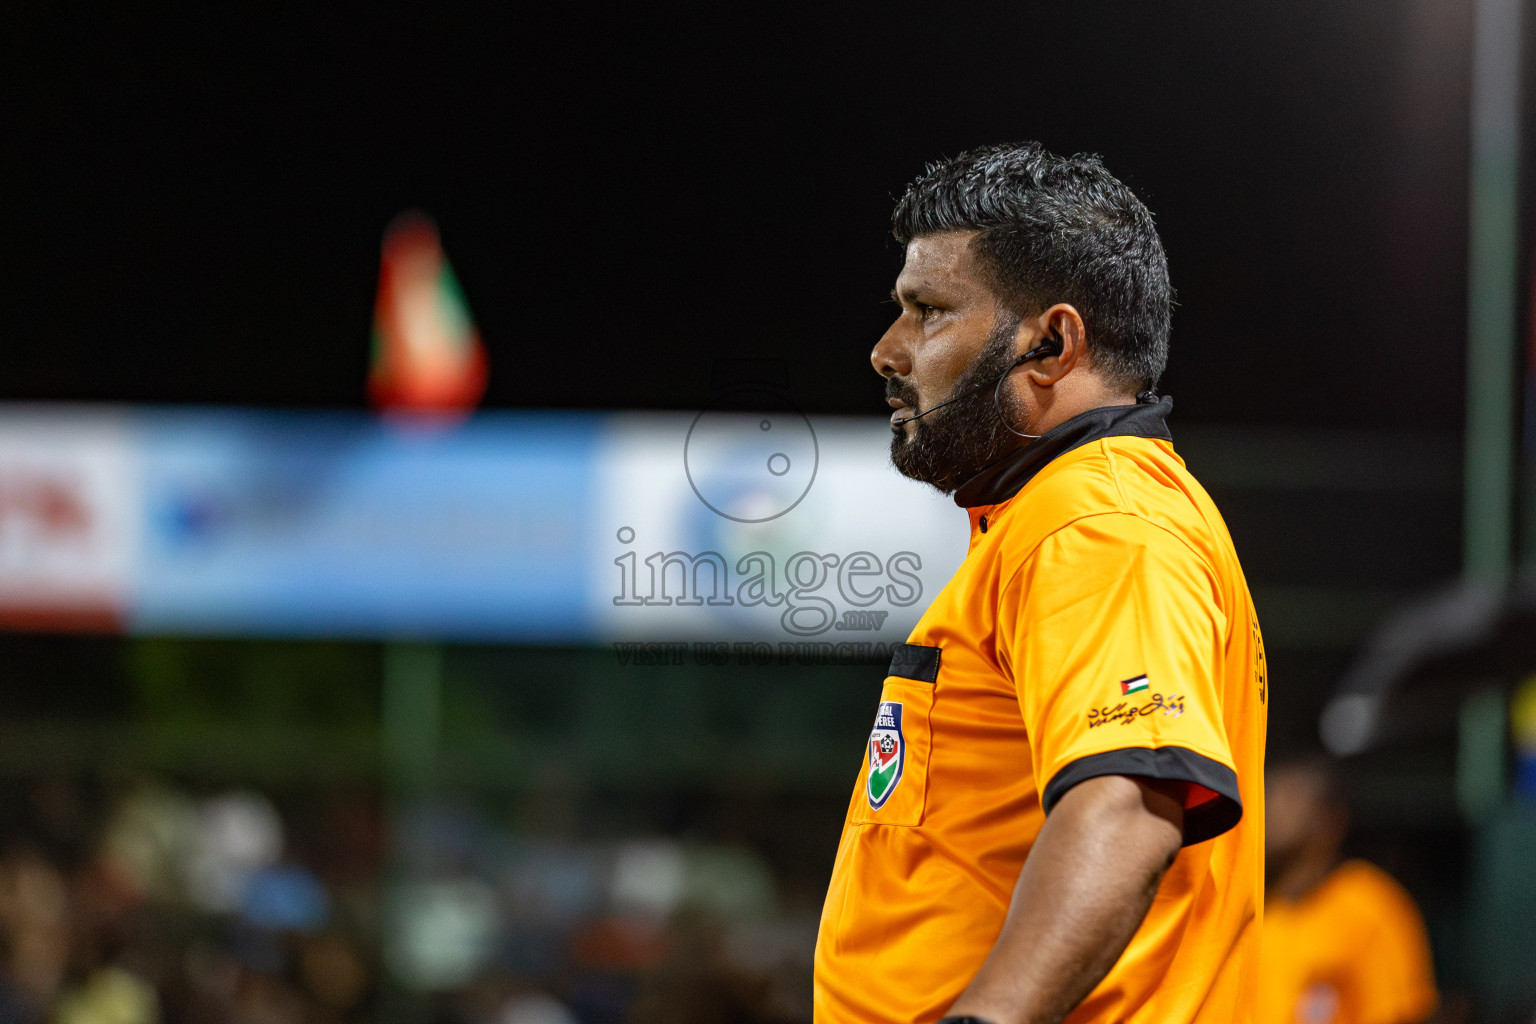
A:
(914, 661)
(1206, 821)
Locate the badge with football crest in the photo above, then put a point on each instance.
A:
(887, 754)
(893, 787)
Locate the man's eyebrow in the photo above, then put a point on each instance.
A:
(911, 293)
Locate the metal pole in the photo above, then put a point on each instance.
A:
(1491, 293)
(410, 726)
(412, 701)
(1480, 754)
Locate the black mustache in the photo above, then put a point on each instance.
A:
(901, 391)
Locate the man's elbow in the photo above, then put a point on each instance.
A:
(1143, 818)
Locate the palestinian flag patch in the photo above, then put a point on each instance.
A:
(887, 754)
(1136, 685)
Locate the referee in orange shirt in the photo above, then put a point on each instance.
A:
(1060, 811)
(1344, 943)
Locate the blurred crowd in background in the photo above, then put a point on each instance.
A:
(132, 900)
(273, 832)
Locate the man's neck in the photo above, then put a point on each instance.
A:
(1003, 477)
(1062, 404)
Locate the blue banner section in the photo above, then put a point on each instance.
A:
(338, 524)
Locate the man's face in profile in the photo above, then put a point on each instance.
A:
(948, 340)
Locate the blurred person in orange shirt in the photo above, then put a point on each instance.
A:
(1343, 942)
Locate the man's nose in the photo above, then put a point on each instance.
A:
(889, 357)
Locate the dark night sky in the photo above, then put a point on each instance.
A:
(192, 203)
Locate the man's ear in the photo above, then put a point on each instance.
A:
(1064, 324)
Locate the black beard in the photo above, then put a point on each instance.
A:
(949, 447)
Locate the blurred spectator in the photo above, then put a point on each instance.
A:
(1343, 942)
(110, 995)
(233, 838)
(533, 1008)
(35, 927)
(696, 983)
(334, 972)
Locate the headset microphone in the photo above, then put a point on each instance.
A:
(1049, 347)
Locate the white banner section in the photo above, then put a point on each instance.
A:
(772, 529)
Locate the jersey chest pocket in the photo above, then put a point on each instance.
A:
(894, 779)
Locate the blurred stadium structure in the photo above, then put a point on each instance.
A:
(501, 795)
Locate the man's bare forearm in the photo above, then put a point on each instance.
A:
(1084, 890)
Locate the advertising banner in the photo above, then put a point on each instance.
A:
(752, 532)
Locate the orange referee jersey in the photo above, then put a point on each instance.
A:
(1352, 951)
(1099, 625)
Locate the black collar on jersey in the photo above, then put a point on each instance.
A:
(1008, 475)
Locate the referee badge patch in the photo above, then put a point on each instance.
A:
(887, 754)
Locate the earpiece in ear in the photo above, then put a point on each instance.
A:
(1051, 346)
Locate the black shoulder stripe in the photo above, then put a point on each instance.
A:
(1206, 821)
(913, 661)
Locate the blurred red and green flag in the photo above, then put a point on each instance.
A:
(427, 354)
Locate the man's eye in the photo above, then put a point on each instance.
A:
(927, 312)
